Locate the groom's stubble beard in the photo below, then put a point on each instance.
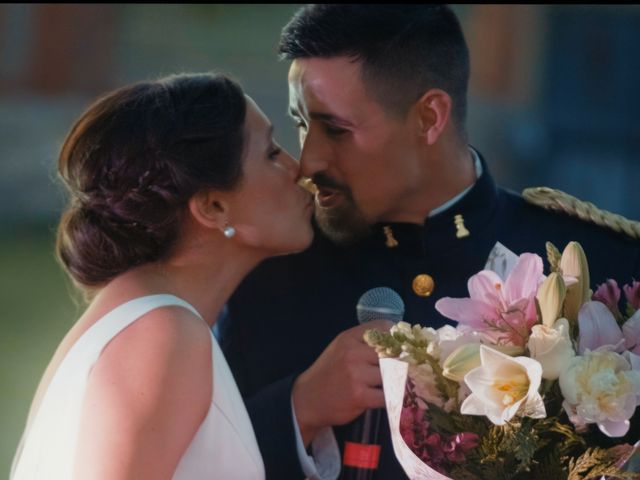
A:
(344, 224)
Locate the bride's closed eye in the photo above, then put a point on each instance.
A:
(273, 152)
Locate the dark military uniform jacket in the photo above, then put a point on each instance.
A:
(290, 308)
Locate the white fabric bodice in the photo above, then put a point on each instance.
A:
(224, 446)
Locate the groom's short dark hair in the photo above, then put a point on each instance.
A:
(405, 50)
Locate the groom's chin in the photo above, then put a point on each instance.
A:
(343, 224)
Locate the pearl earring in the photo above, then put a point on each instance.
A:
(229, 231)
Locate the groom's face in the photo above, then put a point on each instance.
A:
(363, 160)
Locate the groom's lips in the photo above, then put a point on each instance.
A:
(326, 193)
(328, 197)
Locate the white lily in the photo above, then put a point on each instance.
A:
(503, 386)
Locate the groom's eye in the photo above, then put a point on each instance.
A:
(333, 130)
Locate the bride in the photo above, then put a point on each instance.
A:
(177, 190)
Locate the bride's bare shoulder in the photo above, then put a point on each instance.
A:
(169, 344)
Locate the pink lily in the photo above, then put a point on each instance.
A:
(632, 293)
(503, 311)
(598, 328)
(631, 331)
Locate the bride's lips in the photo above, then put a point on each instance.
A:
(328, 197)
(308, 203)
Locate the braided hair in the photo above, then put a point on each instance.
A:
(133, 160)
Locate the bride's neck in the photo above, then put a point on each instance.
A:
(204, 279)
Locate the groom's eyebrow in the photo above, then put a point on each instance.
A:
(329, 118)
(325, 117)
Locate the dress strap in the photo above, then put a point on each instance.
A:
(105, 329)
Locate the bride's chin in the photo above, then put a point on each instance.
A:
(298, 243)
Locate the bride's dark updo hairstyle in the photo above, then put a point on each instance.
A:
(133, 160)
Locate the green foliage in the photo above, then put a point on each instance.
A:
(452, 422)
(529, 449)
(511, 446)
(441, 420)
(598, 462)
(550, 466)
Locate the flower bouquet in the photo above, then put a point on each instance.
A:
(538, 380)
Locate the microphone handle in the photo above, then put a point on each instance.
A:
(361, 449)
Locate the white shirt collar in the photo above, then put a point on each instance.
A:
(458, 197)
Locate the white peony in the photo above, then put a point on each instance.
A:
(601, 387)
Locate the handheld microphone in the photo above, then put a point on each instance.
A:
(361, 448)
(381, 303)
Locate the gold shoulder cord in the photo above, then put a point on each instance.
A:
(552, 199)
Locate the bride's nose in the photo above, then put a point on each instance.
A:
(291, 164)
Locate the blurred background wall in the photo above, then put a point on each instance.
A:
(553, 101)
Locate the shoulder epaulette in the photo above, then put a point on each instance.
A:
(552, 199)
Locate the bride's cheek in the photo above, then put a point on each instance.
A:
(249, 234)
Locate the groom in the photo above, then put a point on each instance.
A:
(379, 95)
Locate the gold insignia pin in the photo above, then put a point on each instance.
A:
(391, 241)
(461, 230)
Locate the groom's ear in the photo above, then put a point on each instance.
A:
(209, 208)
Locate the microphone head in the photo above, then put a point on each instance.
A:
(381, 303)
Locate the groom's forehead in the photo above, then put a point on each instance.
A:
(327, 89)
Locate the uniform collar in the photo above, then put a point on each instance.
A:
(451, 202)
(440, 230)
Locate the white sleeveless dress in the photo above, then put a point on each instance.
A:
(224, 446)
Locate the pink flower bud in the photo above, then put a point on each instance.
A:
(467, 440)
(609, 294)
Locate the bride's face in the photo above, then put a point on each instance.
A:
(269, 210)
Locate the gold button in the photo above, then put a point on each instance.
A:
(423, 285)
